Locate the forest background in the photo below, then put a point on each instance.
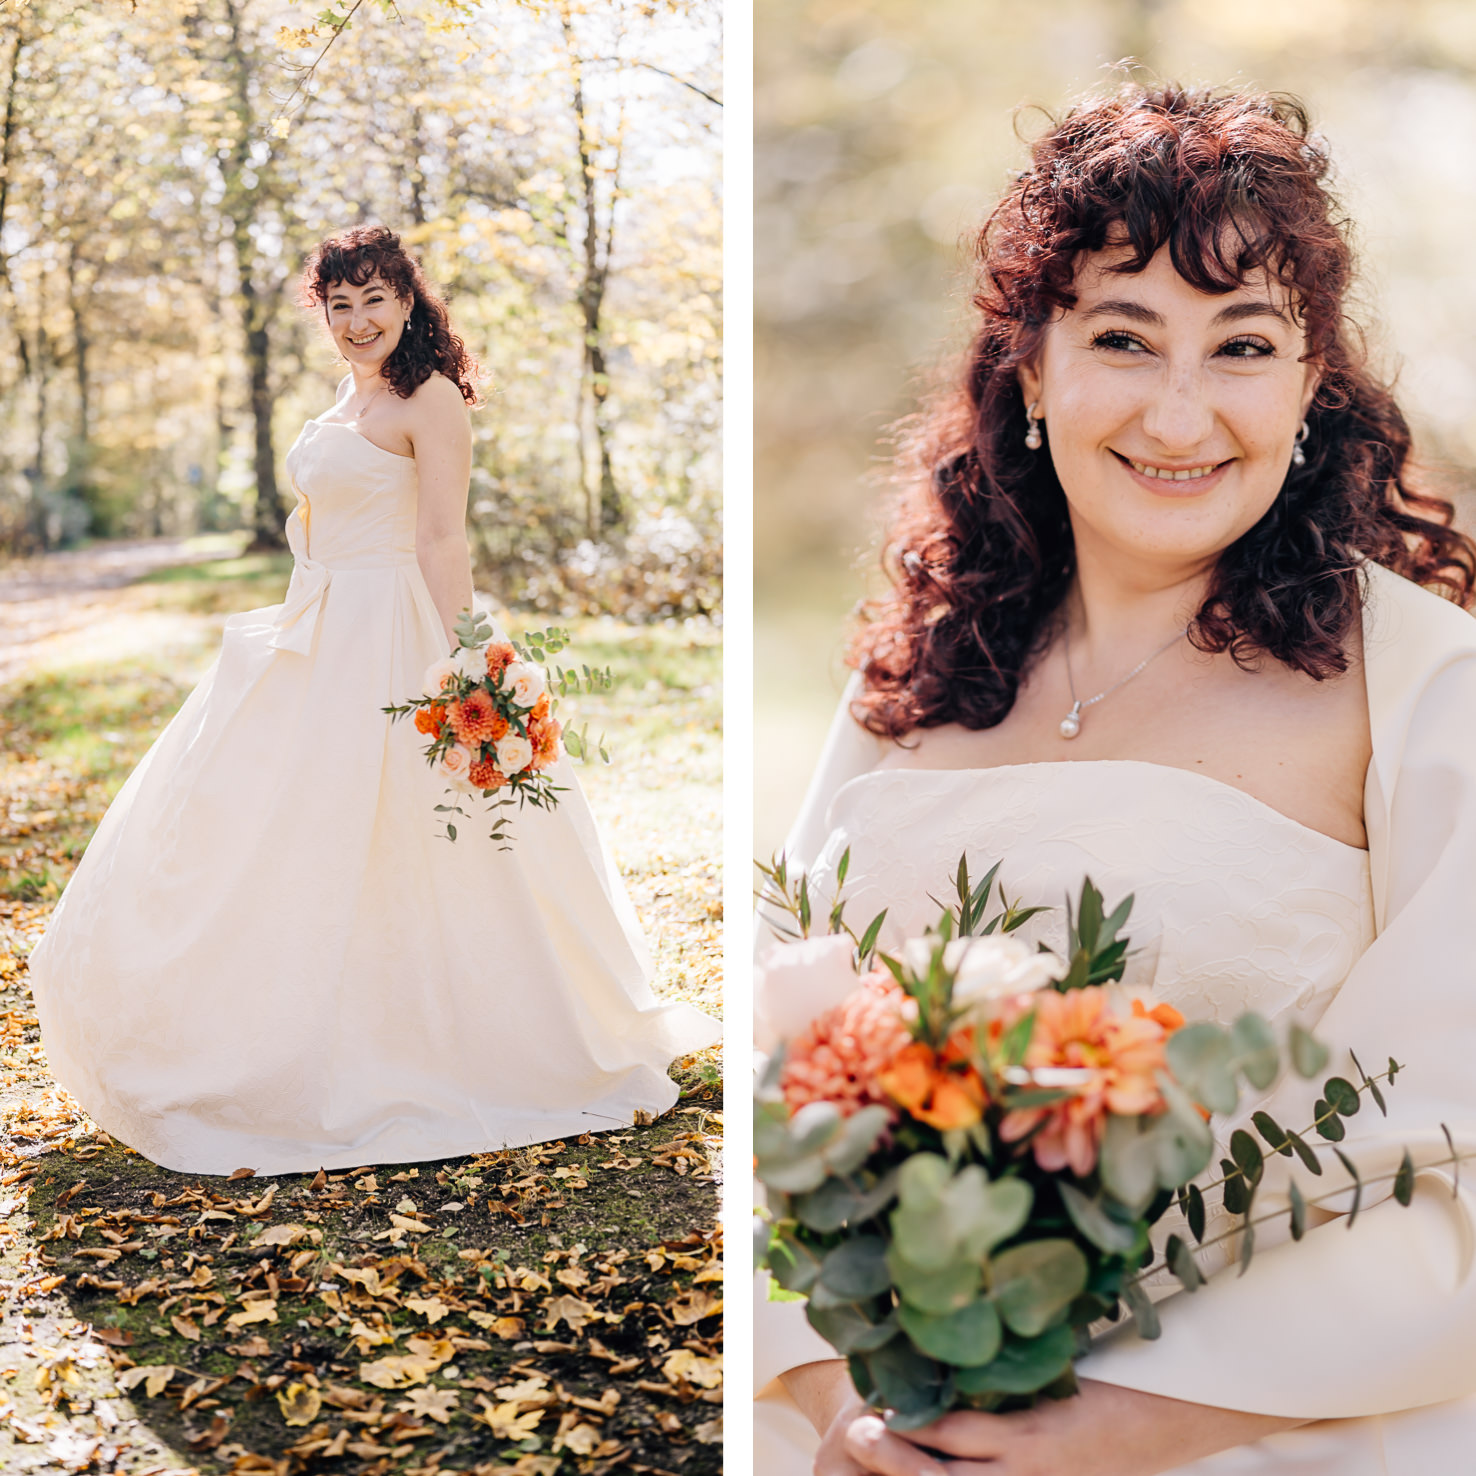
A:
(166, 166)
(884, 131)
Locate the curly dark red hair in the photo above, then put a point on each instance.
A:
(980, 551)
(427, 345)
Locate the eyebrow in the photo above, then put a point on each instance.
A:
(1235, 312)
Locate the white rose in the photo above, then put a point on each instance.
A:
(992, 967)
(454, 767)
(514, 753)
(437, 674)
(797, 982)
(997, 967)
(525, 682)
(470, 661)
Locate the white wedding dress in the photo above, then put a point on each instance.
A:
(268, 959)
(1236, 907)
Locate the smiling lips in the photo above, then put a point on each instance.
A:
(1172, 473)
(360, 342)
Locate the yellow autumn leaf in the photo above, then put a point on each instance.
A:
(185, 1327)
(395, 1371)
(263, 1311)
(684, 1366)
(433, 1309)
(153, 1376)
(505, 1421)
(581, 1439)
(569, 1309)
(431, 1404)
(299, 1404)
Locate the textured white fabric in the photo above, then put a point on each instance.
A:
(1372, 1331)
(267, 959)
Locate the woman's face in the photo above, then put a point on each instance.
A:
(366, 322)
(1170, 413)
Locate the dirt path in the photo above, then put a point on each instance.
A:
(55, 594)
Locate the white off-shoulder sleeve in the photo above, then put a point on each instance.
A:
(1381, 1316)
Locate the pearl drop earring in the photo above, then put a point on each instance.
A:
(1032, 426)
(1299, 457)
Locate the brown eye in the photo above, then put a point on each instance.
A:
(1247, 348)
(1115, 339)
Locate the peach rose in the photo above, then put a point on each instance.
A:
(455, 768)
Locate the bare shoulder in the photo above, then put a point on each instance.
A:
(439, 397)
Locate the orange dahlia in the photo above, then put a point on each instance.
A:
(499, 655)
(541, 709)
(842, 1054)
(429, 719)
(545, 743)
(473, 717)
(1121, 1057)
(485, 774)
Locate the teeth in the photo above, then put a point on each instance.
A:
(362, 341)
(1166, 474)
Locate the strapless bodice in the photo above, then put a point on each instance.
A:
(355, 500)
(1237, 907)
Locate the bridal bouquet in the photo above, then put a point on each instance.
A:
(964, 1147)
(488, 710)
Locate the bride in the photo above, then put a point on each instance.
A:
(267, 958)
(1157, 616)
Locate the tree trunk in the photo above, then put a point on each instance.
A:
(81, 457)
(269, 518)
(592, 297)
(9, 128)
(242, 203)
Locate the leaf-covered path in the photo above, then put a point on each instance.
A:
(553, 1309)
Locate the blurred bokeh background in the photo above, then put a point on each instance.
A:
(885, 129)
(166, 166)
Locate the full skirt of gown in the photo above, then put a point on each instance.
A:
(267, 957)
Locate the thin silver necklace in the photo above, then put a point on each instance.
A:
(359, 415)
(1071, 723)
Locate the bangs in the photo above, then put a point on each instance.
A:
(357, 258)
(1231, 185)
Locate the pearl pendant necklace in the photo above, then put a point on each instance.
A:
(1071, 723)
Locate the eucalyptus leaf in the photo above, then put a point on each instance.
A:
(1022, 1366)
(1308, 1054)
(1298, 1212)
(1201, 1057)
(839, 1202)
(1342, 1096)
(847, 1328)
(792, 1263)
(1404, 1179)
(1094, 1221)
(1182, 1263)
(968, 1336)
(1310, 1160)
(1357, 1184)
(1255, 1045)
(1182, 1142)
(1128, 1162)
(1145, 1314)
(1247, 1155)
(1236, 1192)
(915, 1388)
(1195, 1214)
(1272, 1133)
(856, 1269)
(1247, 1248)
(941, 1290)
(1329, 1124)
(1036, 1282)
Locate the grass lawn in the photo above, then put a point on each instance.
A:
(551, 1309)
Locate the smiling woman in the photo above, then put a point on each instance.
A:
(1156, 618)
